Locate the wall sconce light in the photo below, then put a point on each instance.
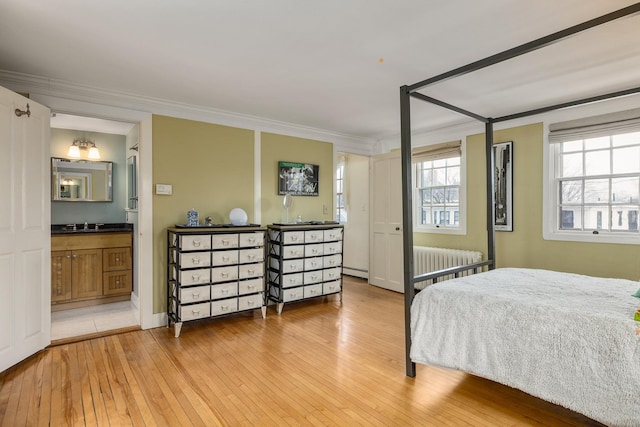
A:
(82, 144)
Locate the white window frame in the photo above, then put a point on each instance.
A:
(341, 164)
(551, 202)
(461, 229)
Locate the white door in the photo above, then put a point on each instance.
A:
(385, 254)
(25, 229)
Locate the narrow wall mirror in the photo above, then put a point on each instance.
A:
(81, 180)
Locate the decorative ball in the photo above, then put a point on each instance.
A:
(238, 216)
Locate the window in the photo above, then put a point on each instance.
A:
(438, 186)
(596, 180)
(341, 210)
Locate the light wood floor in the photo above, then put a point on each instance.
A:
(320, 363)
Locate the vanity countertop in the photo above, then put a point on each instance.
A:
(91, 228)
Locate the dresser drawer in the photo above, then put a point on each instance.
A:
(288, 280)
(194, 277)
(332, 261)
(224, 274)
(224, 241)
(292, 237)
(333, 234)
(251, 255)
(290, 251)
(195, 294)
(314, 250)
(224, 290)
(313, 290)
(292, 294)
(224, 306)
(288, 266)
(250, 286)
(224, 258)
(247, 271)
(194, 242)
(250, 302)
(333, 248)
(313, 236)
(194, 259)
(117, 282)
(250, 240)
(332, 287)
(194, 311)
(312, 277)
(313, 263)
(331, 274)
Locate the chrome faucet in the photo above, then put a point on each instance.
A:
(86, 225)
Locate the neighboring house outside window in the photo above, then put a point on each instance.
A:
(595, 189)
(341, 209)
(438, 188)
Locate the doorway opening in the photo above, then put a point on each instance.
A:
(106, 297)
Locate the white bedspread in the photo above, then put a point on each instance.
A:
(566, 338)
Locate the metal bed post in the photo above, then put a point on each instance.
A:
(491, 196)
(407, 221)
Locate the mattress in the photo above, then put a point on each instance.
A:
(566, 338)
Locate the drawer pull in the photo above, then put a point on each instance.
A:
(195, 294)
(292, 280)
(225, 258)
(117, 259)
(313, 291)
(314, 277)
(224, 274)
(332, 249)
(331, 262)
(294, 238)
(224, 291)
(195, 312)
(196, 242)
(195, 276)
(292, 267)
(195, 260)
(331, 275)
(225, 242)
(250, 302)
(224, 307)
(314, 237)
(117, 282)
(313, 263)
(251, 286)
(251, 239)
(314, 251)
(251, 270)
(251, 256)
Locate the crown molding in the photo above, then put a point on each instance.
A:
(32, 84)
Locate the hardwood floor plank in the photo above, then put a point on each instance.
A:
(319, 363)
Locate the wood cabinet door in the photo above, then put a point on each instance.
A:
(60, 276)
(86, 273)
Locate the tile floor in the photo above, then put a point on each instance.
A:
(97, 318)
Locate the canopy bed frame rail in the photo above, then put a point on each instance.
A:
(434, 276)
(411, 91)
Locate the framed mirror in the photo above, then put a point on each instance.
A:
(81, 180)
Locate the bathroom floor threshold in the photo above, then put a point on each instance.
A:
(100, 334)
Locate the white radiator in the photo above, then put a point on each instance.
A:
(427, 259)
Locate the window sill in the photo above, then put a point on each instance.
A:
(622, 239)
(439, 230)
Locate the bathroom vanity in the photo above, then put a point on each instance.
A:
(91, 265)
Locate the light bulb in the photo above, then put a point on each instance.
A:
(94, 153)
(74, 151)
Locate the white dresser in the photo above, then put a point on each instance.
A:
(304, 261)
(214, 271)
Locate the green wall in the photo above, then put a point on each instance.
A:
(212, 169)
(276, 148)
(524, 246)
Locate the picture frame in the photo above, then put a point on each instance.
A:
(503, 186)
(298, 179)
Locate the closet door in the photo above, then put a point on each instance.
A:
(386, 259)
(25, 229)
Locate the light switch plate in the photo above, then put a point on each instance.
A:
(164, 189)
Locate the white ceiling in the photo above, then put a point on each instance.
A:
(334, 65)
